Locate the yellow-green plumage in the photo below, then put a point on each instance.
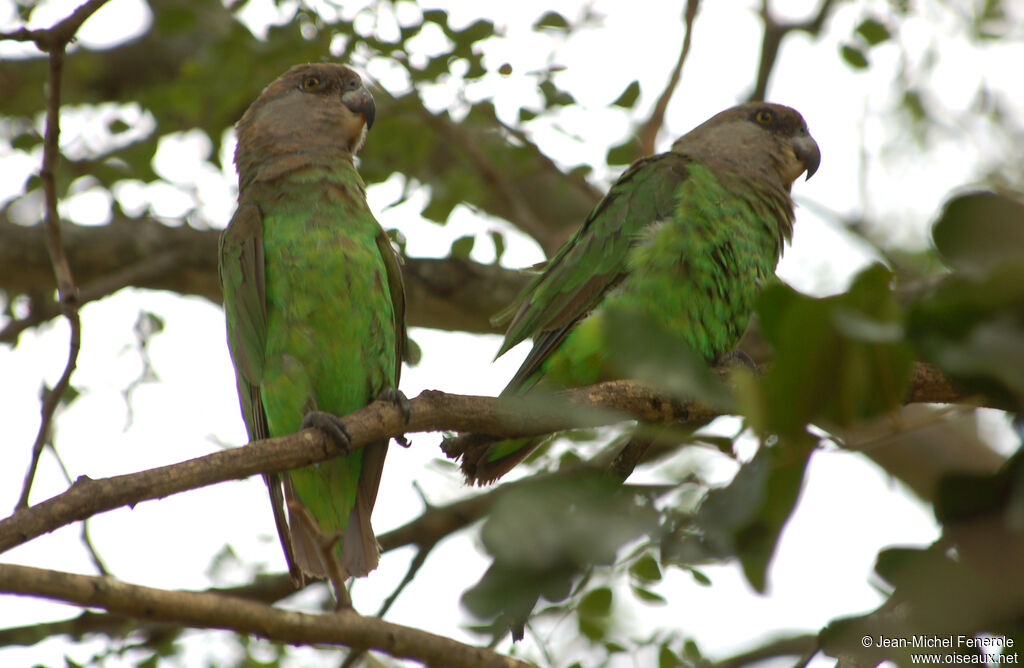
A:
(314, 302)
(684, 239)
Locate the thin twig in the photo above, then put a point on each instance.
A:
(649, 132)
(54, 41)
(58, 36)
(774, 32)
(799, 645)
(101, 568)
(61, 269)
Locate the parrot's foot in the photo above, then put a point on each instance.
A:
(737, 358)
(331, 425)
(398, 398)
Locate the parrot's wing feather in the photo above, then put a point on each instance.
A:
(396, 287)
(244, 283)
(593, 261)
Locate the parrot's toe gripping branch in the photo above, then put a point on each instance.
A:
(398, 398)
(330, 425)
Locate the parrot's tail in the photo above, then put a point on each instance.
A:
(484, 460)
(360, 551)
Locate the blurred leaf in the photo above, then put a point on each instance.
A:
(837, 360)
(174, 19)
(592, 628)
(854, 57)
(629, 96)
(526, 115)
(979, 231)
(873, 31)
(553, 20)
(641, 348)
(498, 239)
(745, 517)
(462, 247)
(554, 96)
(648, 596)
(973, 329)
(596, 603)
(544, 533)
(646, 569)
(668, 659)
(963, 496)
(26, 141)
(700, 578)
(622, 154)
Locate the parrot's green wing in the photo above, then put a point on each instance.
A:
(592, 262)
(242, 277)
(396, 287)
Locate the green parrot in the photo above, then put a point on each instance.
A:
(315, 305)
(684, 239)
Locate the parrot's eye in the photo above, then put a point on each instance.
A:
(764, 117)
(311, 83)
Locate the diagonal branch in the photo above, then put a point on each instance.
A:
(60, 34)
(431, 411)
(649, 131)
(199, 610)
(774, 32)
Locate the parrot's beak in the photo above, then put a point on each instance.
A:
(360, 101)
(807, 151)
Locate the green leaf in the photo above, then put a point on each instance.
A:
(629, 96)
(498, 239)
(596, 603)
(438, 16)
(668, 659)
(552, 20)
(837, 360)
(963, 496)
(973, 329)
(854, 57)
(700, 577)
(873, 31)
(648, 596)
(526, 115)
(745, 517)
(543, 534)
(622, 154)
(593, 628)
(646, 569)
(554, 96)
(462, 247)
(978, 231)
(641, 348)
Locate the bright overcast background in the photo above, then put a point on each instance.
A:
(187, 405)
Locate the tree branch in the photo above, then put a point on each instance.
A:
(449, 293)
(430, 411)
(774, 32)
(649, 131)
(213, 611)
(55, 41)
(433, 525)
(57, 36)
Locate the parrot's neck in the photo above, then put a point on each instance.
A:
(255, 167)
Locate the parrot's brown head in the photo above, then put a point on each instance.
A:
(757, 139)
(311, 109)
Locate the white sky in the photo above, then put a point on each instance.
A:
(849, 509)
